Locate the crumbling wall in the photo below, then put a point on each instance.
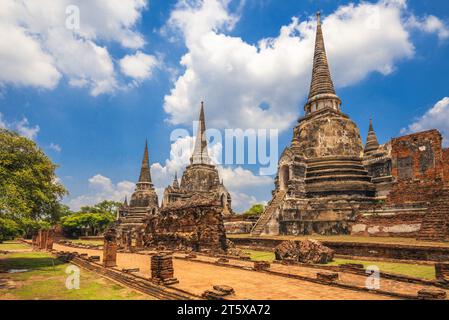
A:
(196, 226)
(417, 166)
(401, 225)
(446, 166)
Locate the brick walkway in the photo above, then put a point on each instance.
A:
(197, 277)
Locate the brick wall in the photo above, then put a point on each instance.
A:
(446, 166)
(400, 225)
(417, 166)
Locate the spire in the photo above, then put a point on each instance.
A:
(372, 143)
(175, 181)
(200, 153)
(145, 175)
(322, 92)
(125, 203)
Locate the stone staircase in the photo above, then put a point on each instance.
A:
(135, 219)
(268, 213)
(435, 226)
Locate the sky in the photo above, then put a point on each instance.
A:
(90, 80)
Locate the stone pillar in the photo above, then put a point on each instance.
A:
(35, 241)
(139, 239)
(42, 239)
(162, 269)
(50, 240)
(110, 249)
(442, 271)
(128, 241)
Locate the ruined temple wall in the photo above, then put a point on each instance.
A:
(193, 227)
(446, 166)
(417, 166)
(401, 225)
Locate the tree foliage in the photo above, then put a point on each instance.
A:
(28, 184)
(86, 223)
(255, 210)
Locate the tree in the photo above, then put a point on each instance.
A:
(255, 210)
(105, 206)
(29, 188)
(86, 223)
(9, 229)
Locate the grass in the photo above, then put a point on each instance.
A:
(413, 270)
(46, 279)
(88, 242)
(348, 238)
(13, 245)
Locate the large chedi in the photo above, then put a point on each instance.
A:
(321, 179)
(144, 201)
(200, 181)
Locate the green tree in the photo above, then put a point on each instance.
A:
(9, 229)
(86, 223)
(105, 206)
(28, 185)
(255, 210)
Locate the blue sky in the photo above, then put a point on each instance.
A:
(136, 69)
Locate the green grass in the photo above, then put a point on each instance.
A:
(46, 281)
(412, 270)
(348, 238)
(88, 242)
(13, 245)
(406, 269)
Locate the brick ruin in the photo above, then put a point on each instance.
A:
(191, 214)
(44, 239)
(328, 182)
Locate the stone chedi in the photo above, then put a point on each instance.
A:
(201, 178)
(144, 203)
(329, 183)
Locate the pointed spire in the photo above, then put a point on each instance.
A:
(322, 86)
(145, 174)
(372, 144)
(175, 181)
(200, 153)
(125, 203)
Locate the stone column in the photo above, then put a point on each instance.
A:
(110, 249)
(162, 269)
(139, 239)
(50, 240)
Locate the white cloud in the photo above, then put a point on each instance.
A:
(44, 49)
(430, 24)
(436, 117)
(55, 147)
(139, 66)
(236, 78)
(101, 188)
(245, 187)
(22, 127)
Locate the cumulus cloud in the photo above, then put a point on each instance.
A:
(139, 66)
(430, 24)
(436, 117)
(262, 85)
(48, 43)
(22, 127)
(101, 188)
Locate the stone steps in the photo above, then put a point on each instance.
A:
(335, 165)
(266, 216)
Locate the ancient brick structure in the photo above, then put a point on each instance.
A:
(200, 177)
(144, 203)
(194, 226)
(162, 269)
(44, 240)
(329, 183)
(110, 248)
